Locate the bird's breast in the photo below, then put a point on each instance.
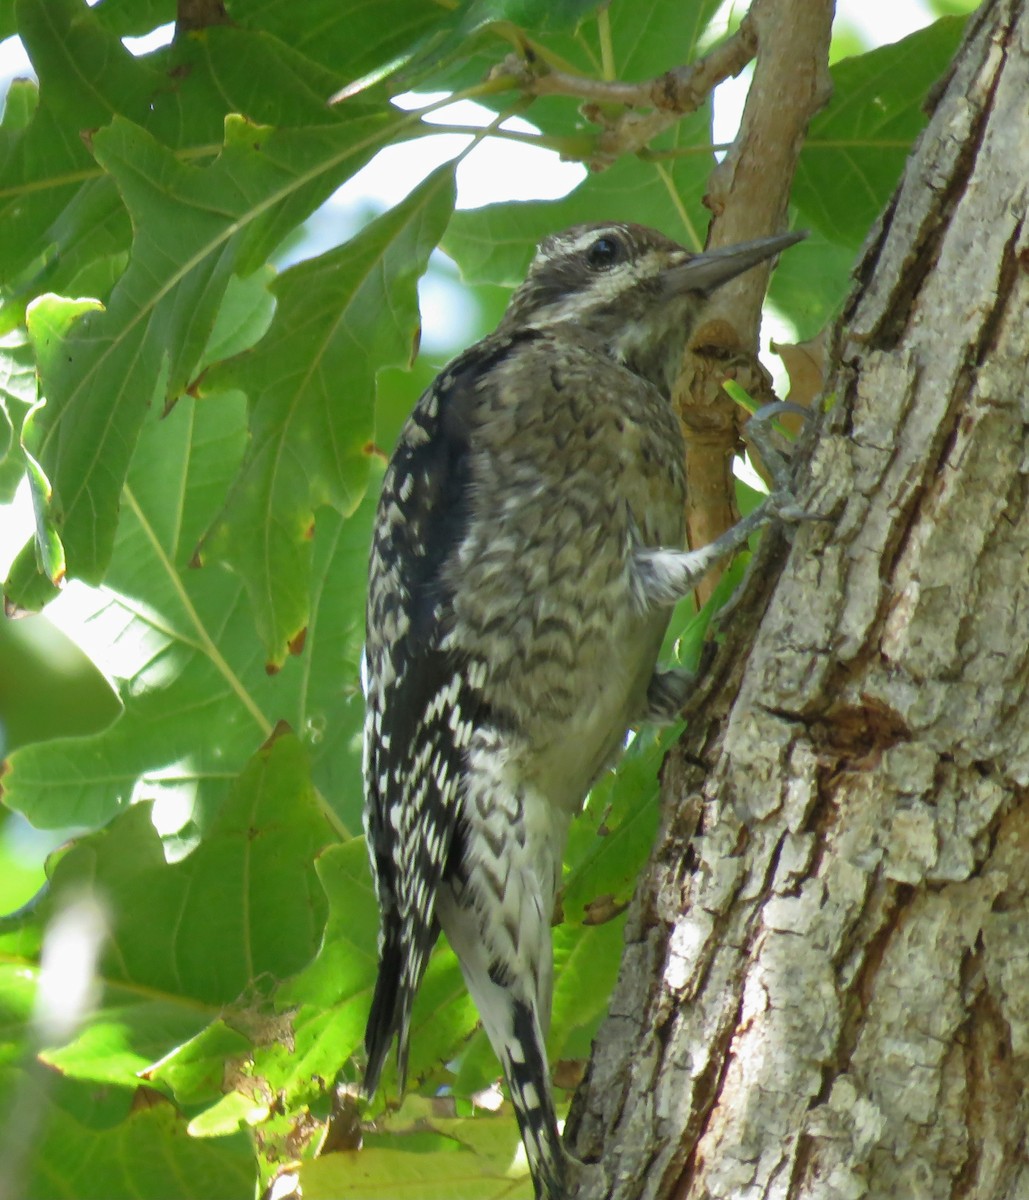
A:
(576, 464)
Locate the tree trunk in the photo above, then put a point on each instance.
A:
(825, 989)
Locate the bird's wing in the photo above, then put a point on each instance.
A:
(423, 697)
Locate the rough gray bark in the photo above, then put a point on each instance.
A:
(825, 989)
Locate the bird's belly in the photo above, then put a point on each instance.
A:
(572, 745)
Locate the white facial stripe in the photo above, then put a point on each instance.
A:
(605, 286)
(586, 239)
(563, 246)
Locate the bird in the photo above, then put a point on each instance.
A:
(527, 549)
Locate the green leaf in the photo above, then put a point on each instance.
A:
(586, 962)
(147, 1156)
(19, 106)
(244, 315)
(195, 1070)
(351, 39)
(42, 169)
(187, 939)
(857, 146)
(612, 839)
(179, 647)
(645, 41)
(636, 42)
(49, 321)
(124, 1037)
(17, 395)
(811, 281)
(483, 1161)
(236, 70)
(86, 74)
(235, 1110)
(311, 380)
(110, 366)
(242, 910)
(154, 633)
(525, 14)
(17, 996)
(334, 992)
(181, 95)
(473, 21)
(86, 78)
(495, 243)
(134, 18)
(88, 245)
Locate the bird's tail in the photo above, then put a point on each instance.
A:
(385, 1017)
(513, 1006)
(524, 1060)
(395, 988)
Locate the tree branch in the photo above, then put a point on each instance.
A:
(749, 195)
(670, 96)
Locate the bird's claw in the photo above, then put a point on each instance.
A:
(761, 434)
(775, 408)
(783, 505)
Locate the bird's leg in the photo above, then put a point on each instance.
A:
(664, 576)
(661, 578)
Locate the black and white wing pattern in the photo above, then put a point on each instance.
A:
(423, 696)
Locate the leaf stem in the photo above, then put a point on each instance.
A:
(607, 52)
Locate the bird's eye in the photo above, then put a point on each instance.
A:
(604, 253)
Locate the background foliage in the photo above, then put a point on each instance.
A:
(204, 435)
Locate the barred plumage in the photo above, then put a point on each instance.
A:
(526, 553)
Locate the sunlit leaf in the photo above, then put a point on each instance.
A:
(17, 395)
(311, 383)
(193, 229)
(145, 1156)
(479, 1160)
(180, 647)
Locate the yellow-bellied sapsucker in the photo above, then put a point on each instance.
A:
(527, 553)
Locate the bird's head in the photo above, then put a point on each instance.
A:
(629, 289)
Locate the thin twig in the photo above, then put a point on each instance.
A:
(678, 92)
(668, 97)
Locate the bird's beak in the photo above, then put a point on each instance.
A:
(705, 272)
